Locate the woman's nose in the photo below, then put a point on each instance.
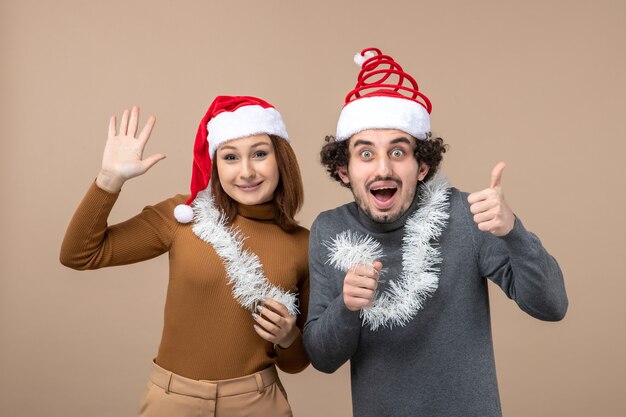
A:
(247, 169)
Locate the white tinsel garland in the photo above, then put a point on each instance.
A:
(350, 248)
(419, 277)
(243, 268)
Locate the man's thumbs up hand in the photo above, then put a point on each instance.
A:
(491, 213)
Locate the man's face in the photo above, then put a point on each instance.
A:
(382, 172)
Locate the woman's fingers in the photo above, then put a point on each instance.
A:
(264, 334)
(267, 325)
(133, 122)
(271, 315)
(124, 123)
(276, 307)
(147, 130)
(149, 161)
(274, 323)
(112, 123)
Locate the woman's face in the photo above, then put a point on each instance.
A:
(248, 169)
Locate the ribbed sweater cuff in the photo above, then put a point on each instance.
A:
(294, 358)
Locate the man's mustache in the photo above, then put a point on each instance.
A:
(376, 179)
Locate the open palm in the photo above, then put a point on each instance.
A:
(123, 153)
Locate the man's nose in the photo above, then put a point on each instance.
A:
(383, 167)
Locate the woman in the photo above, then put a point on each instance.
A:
(238, 260)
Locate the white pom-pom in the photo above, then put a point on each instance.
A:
(360, 59)
(183, 213)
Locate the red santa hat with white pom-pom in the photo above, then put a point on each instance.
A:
(385, 97)
(228, 118)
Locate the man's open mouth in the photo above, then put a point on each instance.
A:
(383, 194)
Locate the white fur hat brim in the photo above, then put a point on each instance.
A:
(382, 112)
(243, 122)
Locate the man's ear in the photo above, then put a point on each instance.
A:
(423, 171)
(342, 171)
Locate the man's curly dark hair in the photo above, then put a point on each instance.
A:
(335, 154)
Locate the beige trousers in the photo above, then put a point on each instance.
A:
(170, 395)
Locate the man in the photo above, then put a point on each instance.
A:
(398, 278)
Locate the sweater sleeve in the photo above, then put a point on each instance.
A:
(294, 359)
(525, 271)
(331, 334)
(89, 243)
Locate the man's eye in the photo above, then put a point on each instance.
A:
(366, 154)
(397, 153)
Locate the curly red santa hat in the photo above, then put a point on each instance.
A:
(385, 97)
(228, 118)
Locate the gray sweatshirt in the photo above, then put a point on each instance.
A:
(440, 362)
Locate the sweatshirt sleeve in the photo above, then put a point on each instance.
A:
(525, 271)
(89, 242)
(294, 359)
(331, 334)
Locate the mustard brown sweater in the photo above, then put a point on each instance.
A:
(207, 335)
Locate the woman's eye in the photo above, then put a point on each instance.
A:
(366, 154)
(260, 154)
(229, 157)
(397, 153)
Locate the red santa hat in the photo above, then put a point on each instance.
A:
(228, 118)
(385, 97)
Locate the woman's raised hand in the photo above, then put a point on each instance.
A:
(123, 153)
